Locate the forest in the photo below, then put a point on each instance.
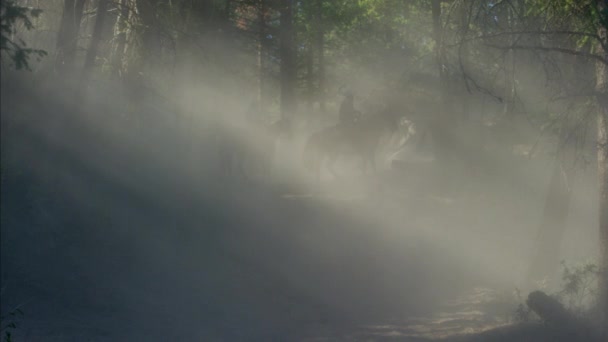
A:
(313, 170)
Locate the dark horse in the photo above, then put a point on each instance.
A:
(361, 139)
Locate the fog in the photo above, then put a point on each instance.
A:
(125, 224)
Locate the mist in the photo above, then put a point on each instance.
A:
(202, 184)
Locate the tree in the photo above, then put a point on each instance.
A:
(591, 23)
(319, 46)
(15, 48)
(120, 36)
(545, 30)
(309, 58)
(288, 61)
(147, 31)
(602, 149)
(584, 22)
(263, 12)
(442, 120)
(92, 52)
(557, 206)
(68, 33)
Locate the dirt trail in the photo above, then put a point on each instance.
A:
(139, 244)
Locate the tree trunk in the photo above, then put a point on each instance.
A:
(205, 12)
(68, 33)
(436, 16)
(510, 93)
(92, 52)
(602, 166)
(141, 56)
(228, 11)
(551, 231)
(288, 65)
(262, 54)
(150, 46)
(439, 121)
(602, 160)
(310, 77)
(120, 36)
(463, 54)
(320, 48)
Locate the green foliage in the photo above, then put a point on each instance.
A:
(578, 16)
(578, 291)
(10, 15)
(579, 286)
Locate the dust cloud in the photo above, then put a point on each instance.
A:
(169, 213)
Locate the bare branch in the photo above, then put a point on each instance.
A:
(551, 49)
(530, 32)
(467, 78)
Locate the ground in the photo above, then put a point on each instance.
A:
(111, 235)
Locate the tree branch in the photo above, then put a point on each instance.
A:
(551, 49)
(533, 32)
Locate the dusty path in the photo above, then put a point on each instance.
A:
(258, 264)
(116, 238)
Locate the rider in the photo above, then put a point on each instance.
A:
(348, 114)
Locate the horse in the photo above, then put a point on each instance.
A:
(361, 138)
